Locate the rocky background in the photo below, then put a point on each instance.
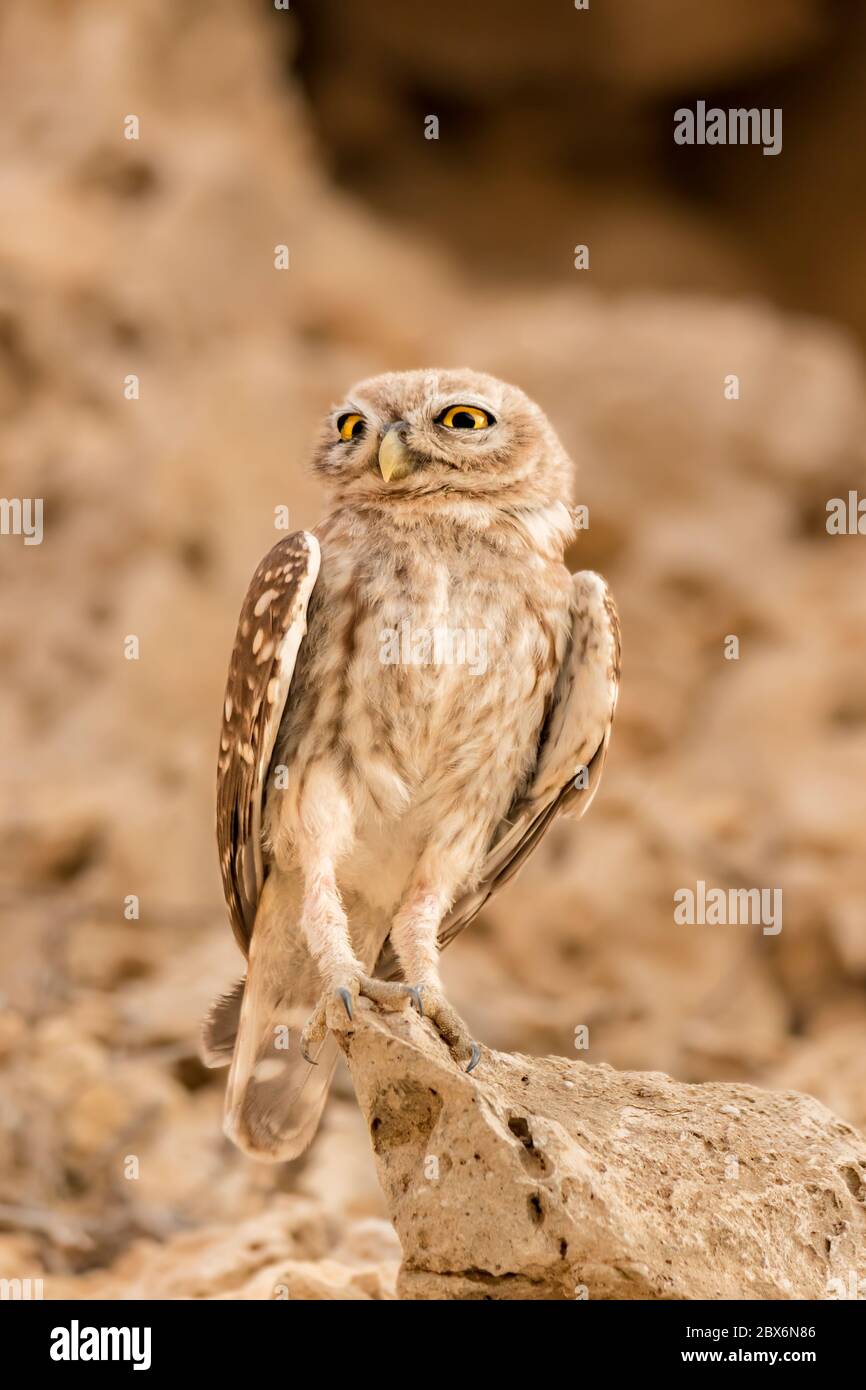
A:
(155, 257)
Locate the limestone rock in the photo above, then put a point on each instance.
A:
(542, 1178)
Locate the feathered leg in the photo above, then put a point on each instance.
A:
(414, 936)
(344, 976)
(322, 832)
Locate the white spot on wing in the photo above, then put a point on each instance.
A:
(264, 601)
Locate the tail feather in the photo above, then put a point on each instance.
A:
(220, 1027)
(274, 1098)
(273, 1117)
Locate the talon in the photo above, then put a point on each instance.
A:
(416, 996)
(307, 1058)
(475, 1058)
(347, 1002)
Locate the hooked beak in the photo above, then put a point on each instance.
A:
(395, 461)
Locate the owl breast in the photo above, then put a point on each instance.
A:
(424, 683)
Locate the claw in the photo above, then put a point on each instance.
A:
(307, 1058)
(347, 1002)
(416, 996)
(475, 1058)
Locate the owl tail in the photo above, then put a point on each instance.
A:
(274, 1098)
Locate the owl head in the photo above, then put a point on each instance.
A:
(449, 440)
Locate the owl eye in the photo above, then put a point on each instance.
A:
(350, 426)
(465, 417)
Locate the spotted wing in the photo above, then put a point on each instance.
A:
(572, 749)
(271, 626)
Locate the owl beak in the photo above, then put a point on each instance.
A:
(395, 461)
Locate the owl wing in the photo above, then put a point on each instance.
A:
(271, 626)
(571, 752)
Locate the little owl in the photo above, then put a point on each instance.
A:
(417, 688)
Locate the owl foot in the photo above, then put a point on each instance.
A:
(450, 1026)
(335, 1010)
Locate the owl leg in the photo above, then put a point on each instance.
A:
(414, 935)
(322, 832)
(326, 931)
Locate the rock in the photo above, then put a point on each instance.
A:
(541, 1178)
(291, 1252)
(637, 47)
(667, 44)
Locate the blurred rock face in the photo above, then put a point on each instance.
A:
(155, 258)
(556, 128)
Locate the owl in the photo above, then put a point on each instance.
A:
(417, 689)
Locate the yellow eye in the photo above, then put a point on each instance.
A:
(350, 426)
(465, 417)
